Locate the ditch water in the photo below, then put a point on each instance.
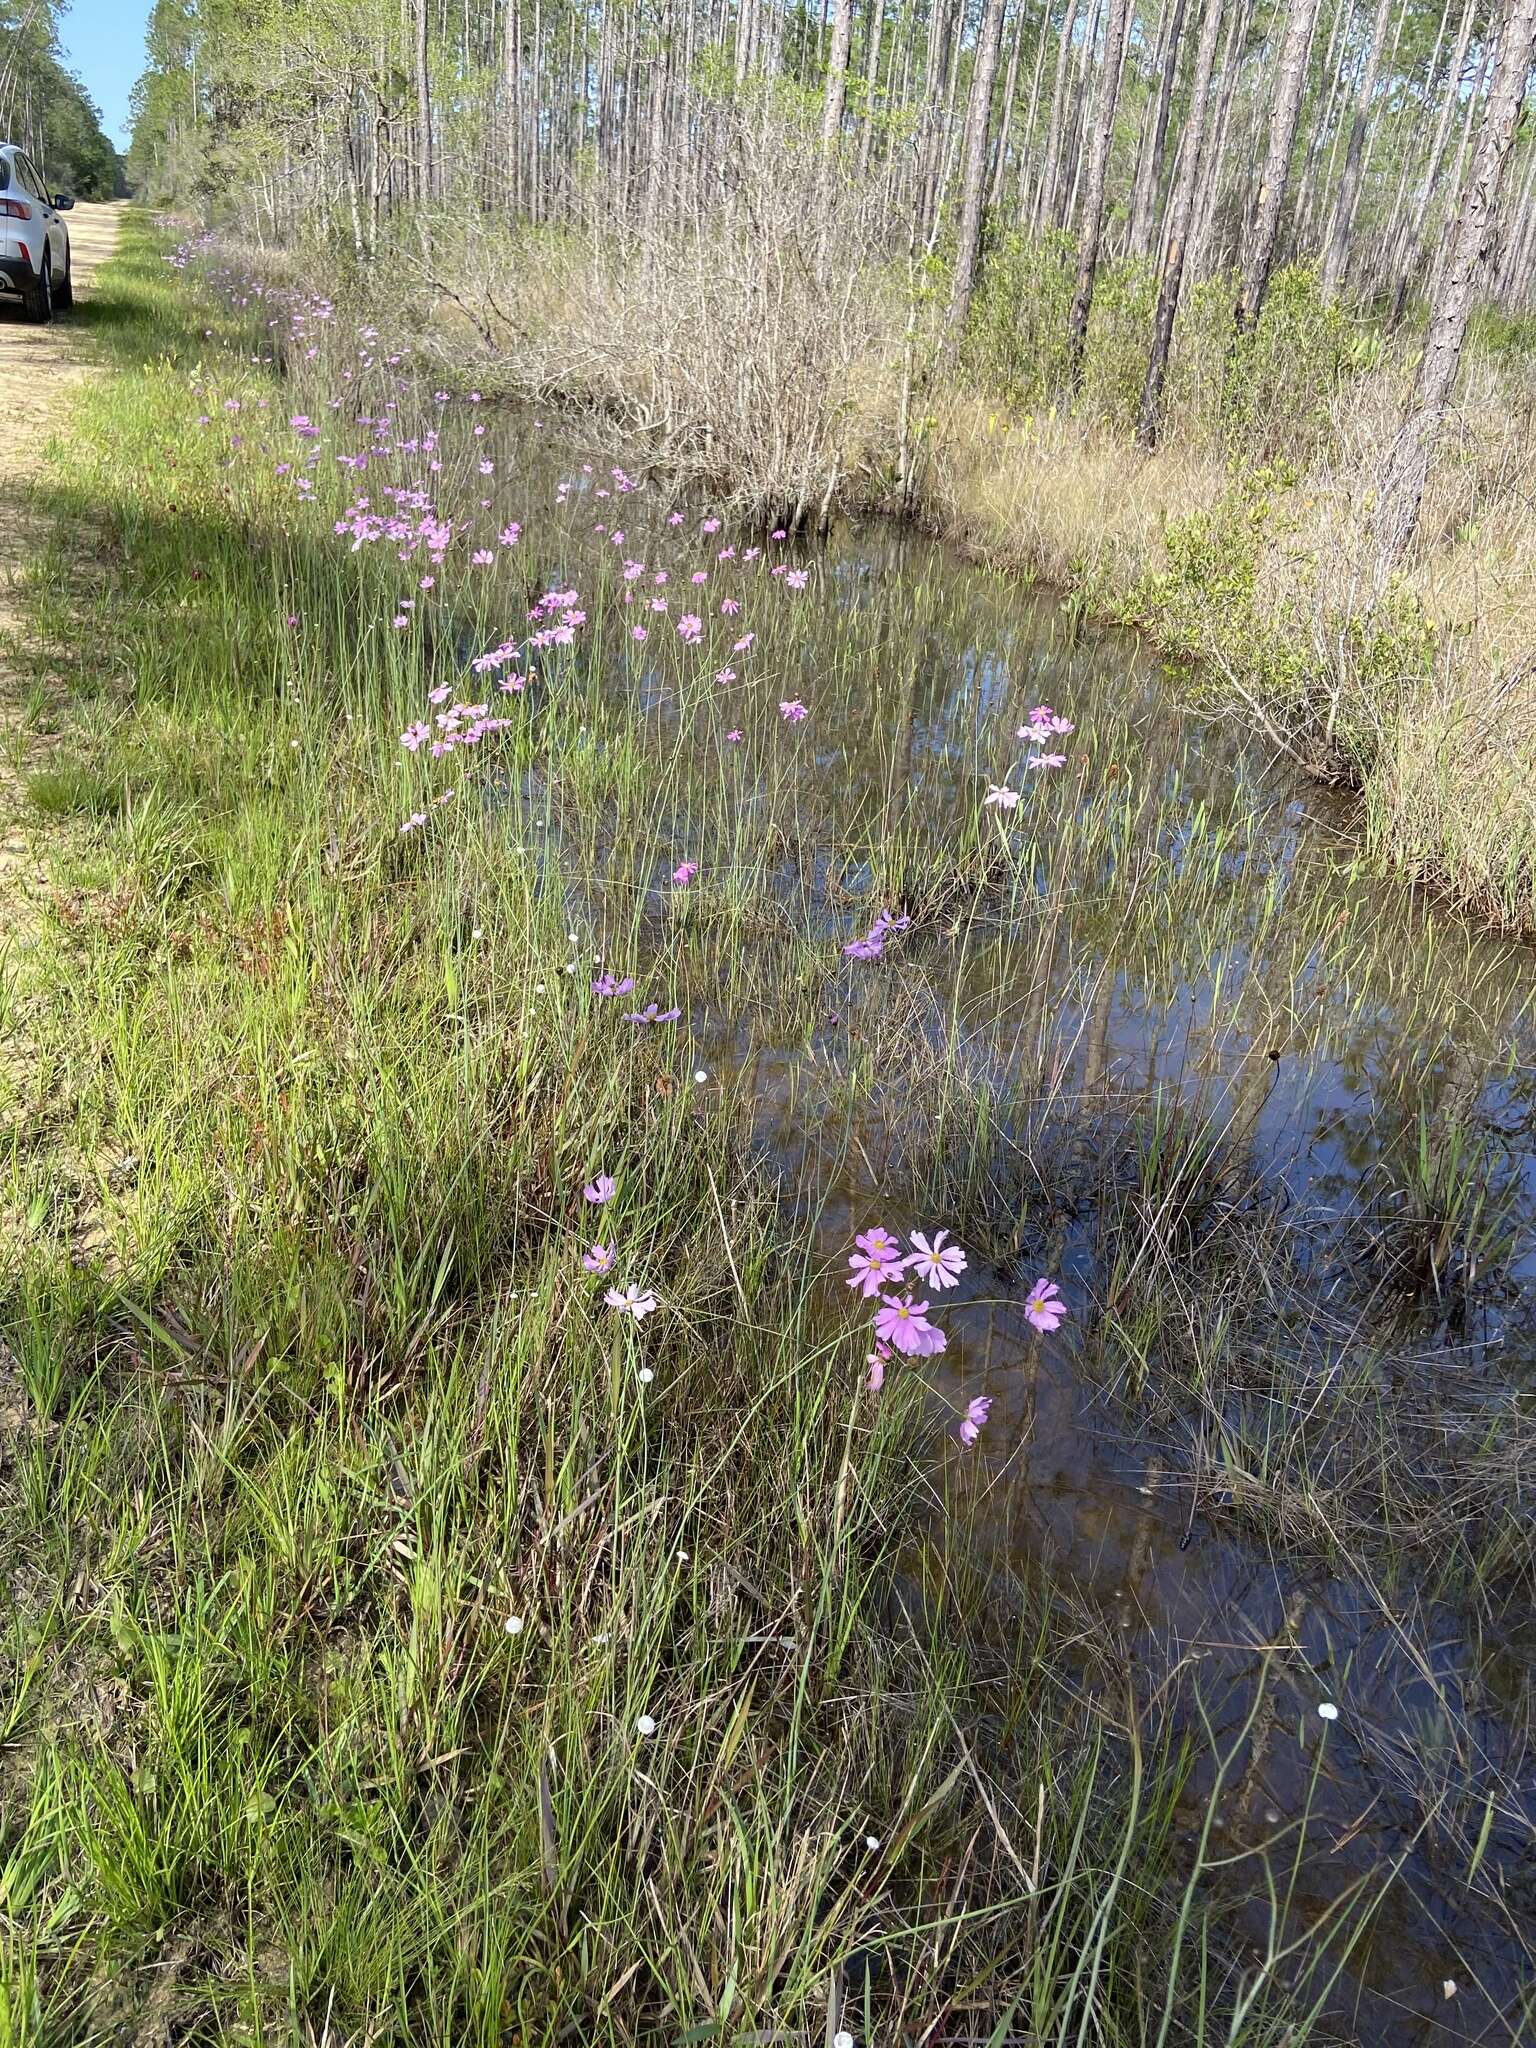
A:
(1157, 1032)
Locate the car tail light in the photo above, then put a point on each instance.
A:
(15, 209)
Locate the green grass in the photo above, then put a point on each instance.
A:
(305, 1394)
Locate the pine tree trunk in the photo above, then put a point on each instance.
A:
(836, 91)
(978, 123)
(1045, 207)
(424, 170)
(1213, 162)
(1149, 172)
(1319, 129)
(930, 119)
(1026, 141)
(1093, 205)
(1005, 126)
(1407, 471)
(1347, 198)
(1284, 119)
(871, 84)
(1180, 208)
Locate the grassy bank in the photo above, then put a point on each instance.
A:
(404, 1645)
(770, 360)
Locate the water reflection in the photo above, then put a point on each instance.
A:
(1269, 1117)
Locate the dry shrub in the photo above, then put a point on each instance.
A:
(752, 341)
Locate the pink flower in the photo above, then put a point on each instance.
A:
(600, 1259)
(725, 675)
(1046, 761)
(734, 735)
(877, 1360)
(904, 1324)
(1044, 1307)
(481, 557)
(793, 711)
(975, 1418)
(730, 606)
(608, 985)
(797, 578)
(639, 633)
(1005, 799)
(690, 627)
(674, 519)
(877, 1263)
(684, 873)
(937, 1264)
(740, 646)
(631, 1301)
(600, 1190)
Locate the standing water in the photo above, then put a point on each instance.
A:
(1143, 1023)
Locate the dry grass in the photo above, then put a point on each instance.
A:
(751, 344)
(1420, 693)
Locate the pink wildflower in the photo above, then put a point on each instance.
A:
(631, 1301)
(793, 711)
(903, 1323)
(1005, 799)
(975, 1418)
(600, 1259)
(599, 1190)
(877, 1360)
(938, 1264)
(877, 1263)
(684, 873)
(1044, 1307)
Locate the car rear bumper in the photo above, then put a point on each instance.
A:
(16, 274)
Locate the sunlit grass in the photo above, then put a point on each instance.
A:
(310, 1398)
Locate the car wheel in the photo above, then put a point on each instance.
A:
(40, 297)
(64, 292)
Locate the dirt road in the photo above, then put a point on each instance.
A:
(38, 364)
(38, 368)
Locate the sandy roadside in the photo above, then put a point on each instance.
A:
(38, 364)
(37, 369)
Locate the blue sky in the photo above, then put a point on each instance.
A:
(104, 46)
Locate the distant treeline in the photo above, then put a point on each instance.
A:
(46, 109)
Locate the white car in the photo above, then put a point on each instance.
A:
(34, 242)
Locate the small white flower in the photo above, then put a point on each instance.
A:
(701, 1075)
(571, 969)
(871, 1842)
(1327, 1711)
(842, 2040)
(538, 988)
(513, 1624)
(1448, 1988)
(646, 1375)
(644, 1725)
(682, 1557)
(477, 933)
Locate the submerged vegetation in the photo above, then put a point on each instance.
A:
(476, 1571)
